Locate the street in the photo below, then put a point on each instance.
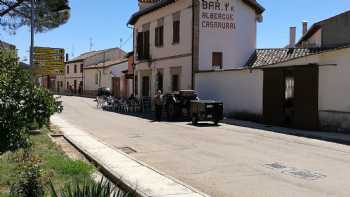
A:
(223, 161)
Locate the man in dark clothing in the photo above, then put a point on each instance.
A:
(158, 104)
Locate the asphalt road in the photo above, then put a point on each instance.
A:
(223, 161)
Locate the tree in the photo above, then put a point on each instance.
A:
(49, 14)
(21, 104)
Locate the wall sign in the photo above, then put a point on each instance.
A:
(217, 15)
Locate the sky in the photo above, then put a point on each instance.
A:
(104, 25)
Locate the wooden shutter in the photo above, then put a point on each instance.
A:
(176, 31)
(161, 35)
(139, 45)
(156, 36)
(146, 45)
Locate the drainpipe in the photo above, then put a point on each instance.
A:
(133, 61)
(193, 72)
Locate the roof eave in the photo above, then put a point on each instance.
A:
(259, 9)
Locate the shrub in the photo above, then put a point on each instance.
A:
(22, 104)
(29, 182)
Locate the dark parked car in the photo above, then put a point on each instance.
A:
(206, 110)
(178, 104)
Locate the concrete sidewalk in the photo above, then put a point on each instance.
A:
(137, 176)
(339, 138)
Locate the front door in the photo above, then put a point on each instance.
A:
(306, 98)
(146, 86)
(291, 97)
(116, 87)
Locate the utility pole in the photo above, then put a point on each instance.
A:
(32, 32)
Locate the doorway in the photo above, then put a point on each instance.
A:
(146, 86)
(290, 97)
(160, 81)
(116, 87)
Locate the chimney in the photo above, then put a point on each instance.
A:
(292, 37)
(305, 27)
(67, 57)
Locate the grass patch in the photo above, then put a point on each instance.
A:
(55, 165)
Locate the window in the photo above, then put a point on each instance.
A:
(159, 36)
(145, 86)
(176, 32)
(143, 45)
(175, 82)
(81, 68)
(289, 88)
(75, 68)
(67, 85)
(67, 69)
(217, 60)
(176, 28)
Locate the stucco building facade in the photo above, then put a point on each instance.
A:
(106, 75)
(173, 40)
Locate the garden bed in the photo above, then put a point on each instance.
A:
(55, 165)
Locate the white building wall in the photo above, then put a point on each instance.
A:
(150, 70)
(236, 44)
(169, 55)
(72, 76)
(241, 90)
(89, 78)
(334, 90)
(104, 56)
(106, 76)
(169, 49)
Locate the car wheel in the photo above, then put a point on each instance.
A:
(194, 120)
(216, 122)
(171, 111)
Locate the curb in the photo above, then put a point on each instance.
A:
(128, 173)
(292, 133)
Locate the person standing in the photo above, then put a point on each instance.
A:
(158, 104)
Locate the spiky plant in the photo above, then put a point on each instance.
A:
(102, 188)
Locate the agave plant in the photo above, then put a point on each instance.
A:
(89, 189)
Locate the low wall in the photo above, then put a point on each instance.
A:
(239, 90)
(335, 121)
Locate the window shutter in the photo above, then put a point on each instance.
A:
(139, 45)
(146, 45)
(156, 36)
(161, 36)
(176, 32)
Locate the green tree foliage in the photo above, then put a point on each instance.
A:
(49, 14)
(22, 104)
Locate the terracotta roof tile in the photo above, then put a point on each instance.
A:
(265, 57)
